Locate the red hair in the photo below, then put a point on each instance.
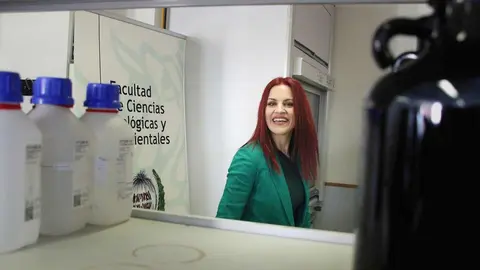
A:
(304, 137)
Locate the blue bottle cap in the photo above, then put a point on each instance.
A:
(52, 91)
(102, 96)
(10, 87)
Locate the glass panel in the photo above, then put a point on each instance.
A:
(318, 104)
(314, 101)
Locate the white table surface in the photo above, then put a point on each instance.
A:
(152, 245)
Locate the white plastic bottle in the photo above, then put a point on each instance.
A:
(65, 170)
(112, 156)
(20, 156)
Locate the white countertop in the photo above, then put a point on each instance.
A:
(153, 245)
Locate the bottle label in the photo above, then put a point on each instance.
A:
(80, 185)
(101, 171)
(122, 167)
(32, 182)
(81, 148)
(61, 166)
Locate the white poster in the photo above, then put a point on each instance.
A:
(149, 68)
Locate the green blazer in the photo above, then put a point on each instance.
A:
(255, 192)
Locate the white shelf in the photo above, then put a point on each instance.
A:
(52, 5)
(146, 244)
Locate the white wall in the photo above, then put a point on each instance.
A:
(232, 53)
(35, 44)
(355, 73)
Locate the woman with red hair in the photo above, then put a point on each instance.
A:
(268, 178)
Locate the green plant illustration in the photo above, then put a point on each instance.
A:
(161, 192)
(141, 181)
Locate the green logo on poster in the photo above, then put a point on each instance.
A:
(148, 194)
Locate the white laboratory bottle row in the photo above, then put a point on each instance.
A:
(59, 172)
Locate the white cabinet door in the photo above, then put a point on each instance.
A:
(312, 25)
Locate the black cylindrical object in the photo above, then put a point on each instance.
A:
(422, 154)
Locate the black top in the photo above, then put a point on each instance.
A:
(295, 186)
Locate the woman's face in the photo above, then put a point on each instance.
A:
(279, 112)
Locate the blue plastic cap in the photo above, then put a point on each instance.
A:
(10, 87)
(52, 91)
(102, 96)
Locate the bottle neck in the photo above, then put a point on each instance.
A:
(10, 106)
(102, 110)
